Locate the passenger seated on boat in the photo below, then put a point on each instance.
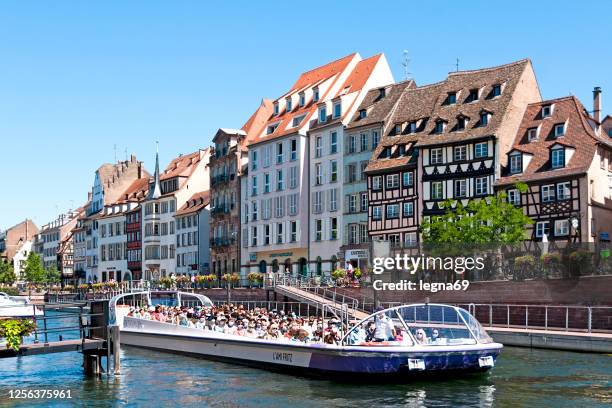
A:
(220, 326)
(231, 327)
(435, 336)
(370, 331)
(332, 336)
(399, 334)
(251, 331)
(358, 335)
(273, 333)
(421, 337)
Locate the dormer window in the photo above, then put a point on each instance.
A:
(276, 108)
(546, 111)
(297, 120)
(271, 128)
(559, 129)
(289, 107)
(398, 129)
(473, 96)
(382, 93)
(484, 118)
(337, 109)
(496, 91)
(516, 163)
(557, 157)
(532, 134)
(461, 123)
(322, 114)
(302, 99)
(315, 94)
(363, 113)
(451, 99)
(439, 126)
(412, 127)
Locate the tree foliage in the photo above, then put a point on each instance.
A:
(486, 221)
(33, 270)
(7, 273)
(53, 275)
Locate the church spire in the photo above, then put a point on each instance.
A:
(154, 189)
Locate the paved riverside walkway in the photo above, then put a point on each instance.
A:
(552, 339)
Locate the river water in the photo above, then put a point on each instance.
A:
(521, 378)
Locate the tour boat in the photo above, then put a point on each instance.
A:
(17, 306)
(462, 345)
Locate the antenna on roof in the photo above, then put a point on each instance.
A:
(406, 64)
(457, 64)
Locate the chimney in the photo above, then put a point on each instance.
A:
(597, 103)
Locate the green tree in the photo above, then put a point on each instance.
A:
(7, 273)
(53, 275)
(33, 270)
(490, 220)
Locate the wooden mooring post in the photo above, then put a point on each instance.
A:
(116, 346)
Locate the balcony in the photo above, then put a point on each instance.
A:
(216, 181)
(222, 209)
(222, 242)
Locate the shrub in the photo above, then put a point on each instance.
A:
(525, 260)
(9, 290)
(338, 274)
(255, 277)
(14, 329)
(68, 288)
(550, 259)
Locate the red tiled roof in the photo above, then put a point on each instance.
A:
(181, 166)
(195, 203)
(306, 80)
(359, 75)
(257, 122)
(578, 135)
(137, 191)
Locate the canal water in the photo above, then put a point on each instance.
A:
(521, 378)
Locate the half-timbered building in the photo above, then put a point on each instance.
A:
(445, 141)
(565, 158)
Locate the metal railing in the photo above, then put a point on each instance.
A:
(567, 318)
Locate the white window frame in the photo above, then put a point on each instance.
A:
(514, 196)
(460, 153)
(480, 148)
(481, 186)
(564, 191)
(377, 212)
(461, 188)
(392, 211)
(516, 163)
(555, 159)
(437, 193)
(562, 228)
(541, 228)
(547, 193)
(436, 154)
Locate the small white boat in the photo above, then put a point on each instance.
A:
(461, 345)
(17, 306)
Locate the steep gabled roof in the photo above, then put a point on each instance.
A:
(377, 105)
(195, 203)
(427, 104)
(579, 135)
(182, 166)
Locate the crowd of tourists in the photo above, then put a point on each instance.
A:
(260, 323)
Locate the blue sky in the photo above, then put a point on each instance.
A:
(78, 78)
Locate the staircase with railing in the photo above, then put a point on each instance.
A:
(308, 291)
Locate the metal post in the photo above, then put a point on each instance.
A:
(490, 315)
(590, 318)
(546, 317)
(507, 315)
(526, 316)
(566, 317)
(45, 325)
(116, 350)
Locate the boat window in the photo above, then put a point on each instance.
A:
(476, 328)
(379, 330)
(436, 325)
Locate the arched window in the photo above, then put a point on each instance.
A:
(275, 265)
(334, 262)
(263, 266)
(319, 266)
(303, 269)
(288, 266)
